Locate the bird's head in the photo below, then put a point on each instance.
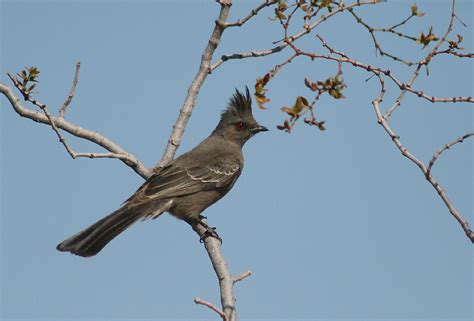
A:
(237, 123)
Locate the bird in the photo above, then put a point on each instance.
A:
(184, 187)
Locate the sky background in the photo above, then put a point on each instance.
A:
(334, 225)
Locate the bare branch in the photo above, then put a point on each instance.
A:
(378, 48)
(444, 37)
(324, 18)
(60, 123)
(252, 14)
(382, 120)
(404, 87)
(425, 62)
(445, 148)
(62, 110)
(193, 90)
(405, 152)
(306, 30)
(62, 140)
(243, 55)
(242, 276)
(219, 265)
(454, 53)
(212, 307)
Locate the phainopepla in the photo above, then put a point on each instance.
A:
(184, 187)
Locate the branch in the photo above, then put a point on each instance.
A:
(306, 30)
(427, 174)
(341, 57)
(62, 110)
(212, 307)
(248, 54)
(454, 53)
(382, 120)
(404, 87)
(193, 90)
(445, 148)
(242, 276)
(252, 14)
(60, 123)
(219, 264)
(425, 62)
(378, 48)
(51, 121)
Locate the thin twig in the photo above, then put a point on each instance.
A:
(212, 307)
(242, 276)
(425, 62)
(253, 13)
(454, 53)
(62, 110)
(445, 148)
(444, 37)
(246, 54)
(378, 48)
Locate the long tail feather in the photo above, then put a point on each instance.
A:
(93, 239)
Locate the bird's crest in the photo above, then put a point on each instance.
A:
(239, 104)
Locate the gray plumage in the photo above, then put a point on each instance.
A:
(186, 186)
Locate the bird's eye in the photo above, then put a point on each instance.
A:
(240, 125)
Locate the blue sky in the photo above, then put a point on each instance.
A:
(334, 225)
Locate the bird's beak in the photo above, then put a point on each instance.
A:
(259, 128)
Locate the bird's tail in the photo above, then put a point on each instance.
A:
(93, 239)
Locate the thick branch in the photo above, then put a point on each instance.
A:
(193, 90)
(219, 264)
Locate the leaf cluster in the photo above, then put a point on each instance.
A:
(26, 76)
(260, 90)
(453, 44)
(426, 39)
(333, 86)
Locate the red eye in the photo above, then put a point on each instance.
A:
(240, 125)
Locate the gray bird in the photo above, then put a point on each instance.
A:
(184, 187)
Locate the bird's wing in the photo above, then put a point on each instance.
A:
(176, 180)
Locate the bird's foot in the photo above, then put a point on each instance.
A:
(210, 232)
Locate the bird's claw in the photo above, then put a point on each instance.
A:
(210, 232)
